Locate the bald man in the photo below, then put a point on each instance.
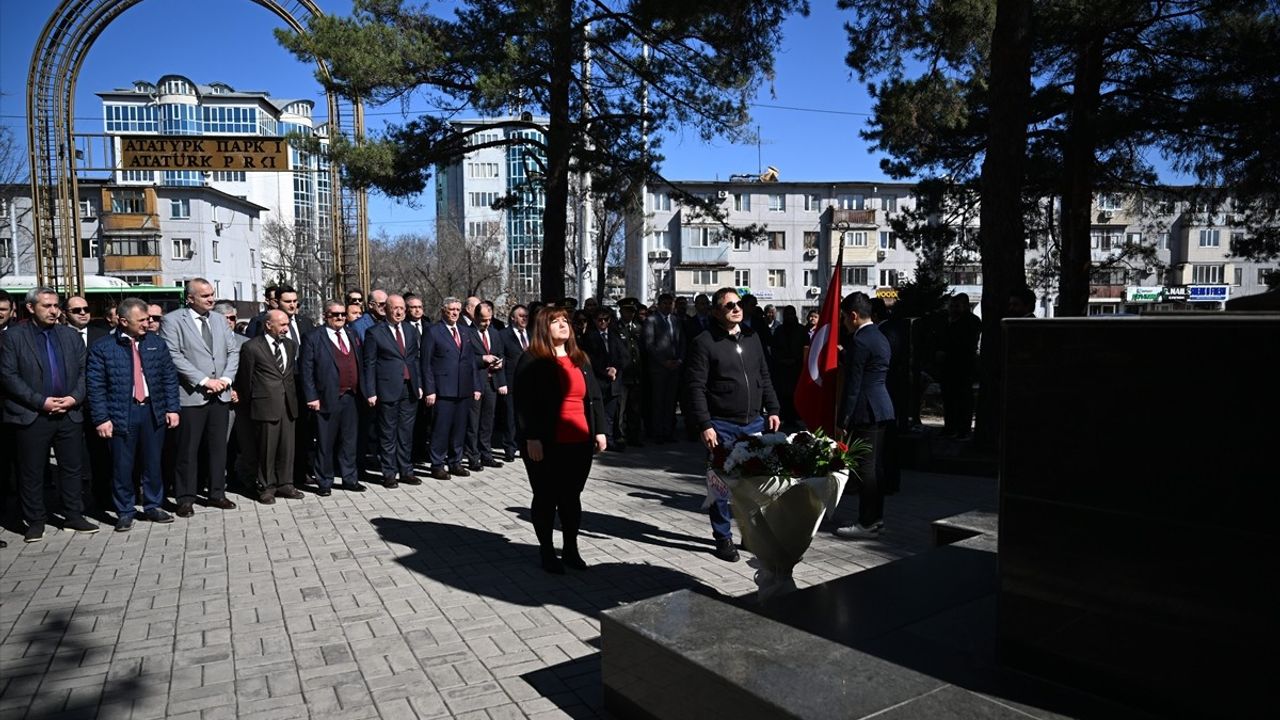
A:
(266, 381)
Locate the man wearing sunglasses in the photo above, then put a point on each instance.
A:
(77, 316)
(729, 395)
(375, 312)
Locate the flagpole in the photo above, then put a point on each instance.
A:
(834, 337)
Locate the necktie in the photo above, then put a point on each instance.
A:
(55, 367)
(457, 339)
(205, 332)
(342, 345)
(484, 340)
(524, 342)
(293, 330)
(139, 391)
(279, 356)
(400, 344)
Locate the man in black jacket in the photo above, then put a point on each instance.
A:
(730, 395)
(608, 354)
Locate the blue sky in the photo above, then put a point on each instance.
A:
(231, 41)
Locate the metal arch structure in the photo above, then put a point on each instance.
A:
(55, 193)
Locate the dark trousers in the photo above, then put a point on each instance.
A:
(422, 434)
(664, 386)
(304, 446)
(449, 432)
(508, 403)
(632, 413)
(99, 473)
(202, 446)
(612, 428)
(33, 442)
(872, 473)
(395, 432)
(336, 434)
(275, 455)
(480, 421)
(137, 447)
(246, 435)
(957, 401)
(557, 481)
(728, 433)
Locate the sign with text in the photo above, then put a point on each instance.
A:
(1207, 293)
(1144, 294)
(887, 293)
(204, 153)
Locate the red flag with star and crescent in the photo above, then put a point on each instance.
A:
(815, 396)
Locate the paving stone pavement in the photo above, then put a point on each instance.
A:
(418, 602)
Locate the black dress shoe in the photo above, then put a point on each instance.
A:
(324, 492)
(266, 499)
(573, 560)
(185, 510)
(725, 550)
(476, 466)
(352, 488)
(459, 471)
(411, 480)
(289, 494)
(439, 474)
(510, 457)
(222, 504)
(552, 564)
(491, 463)
(390, 484)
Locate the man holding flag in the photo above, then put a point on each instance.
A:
(815, 395)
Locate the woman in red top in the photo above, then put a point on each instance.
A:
(560, 421)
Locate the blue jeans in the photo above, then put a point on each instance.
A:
(728, 433)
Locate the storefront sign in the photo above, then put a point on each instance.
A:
(1143, 294)
(1176, 293)
(204, 153)
(887, 293)
(1207, 293)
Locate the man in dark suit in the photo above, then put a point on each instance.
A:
(865, 410)
(254, 328)
(42, 373)
(515, 340)
(664, 349)
(486, 344)
(451, 381)
(304, 428)
(392, 387)
(266, 380)
(206, 354)
(607, 351)
(133, 398)
(97, 466)
(330, 374)
(415, 315)
(78, 319)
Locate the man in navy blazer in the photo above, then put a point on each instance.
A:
(330, 376)
(392, 386)
(865, 409)
(515, 339)
(451, 381)
(487, 345)
(42, 373)
(607, 351)
(133, 399)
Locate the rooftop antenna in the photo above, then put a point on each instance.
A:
(759, 162)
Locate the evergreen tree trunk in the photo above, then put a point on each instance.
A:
(1003, 234)
(554, 216)
(1077, 176)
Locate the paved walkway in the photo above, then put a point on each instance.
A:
(417, 602)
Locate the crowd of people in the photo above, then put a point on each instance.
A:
(143, 404)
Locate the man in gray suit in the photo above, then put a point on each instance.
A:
(664, 349)
(206, 355)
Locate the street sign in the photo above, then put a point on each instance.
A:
(1143, 294)
(203, 153)
(1207, 293)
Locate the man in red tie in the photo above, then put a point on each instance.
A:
(133, 397)
(392, 386)
(488, 344)
(329, 371)
(451, 378)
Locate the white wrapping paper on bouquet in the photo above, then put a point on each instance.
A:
(777, 517)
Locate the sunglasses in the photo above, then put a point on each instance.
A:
(79, 310)
(731, 306)
(337, 315)
(156, 318)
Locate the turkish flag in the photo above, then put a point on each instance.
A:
(815, 396)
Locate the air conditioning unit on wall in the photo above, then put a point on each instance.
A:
(814, 291)
(660, 254)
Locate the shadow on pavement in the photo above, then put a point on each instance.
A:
(598, 525)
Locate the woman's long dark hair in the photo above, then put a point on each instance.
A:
(540, 344)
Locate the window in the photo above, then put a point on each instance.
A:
(777, 240)
(888, 278)
(1102, 241)
(661, 240)
(148, 248)
(855, 238)
(964, 275)
(229, 176)
(181, 178)
(1239, 276)
(181, 249)
(481, 170)
(1108, 201)
(180, 208)
(659, 201)
(1237, 237)
(128, 201)
(706, 277)
(742, 278)
(89, 247)
(1162, 241)
(889, 203)
(1210, 238)
(253, 259)
(1263, 273)
(130, 118)
(742, 202)
(86, 210)
(741, 244)
(1206, 274)
(136, 280)
(239, 291)
(701, 237)
(223, 119)
(137, 176)
(811, 241)
(216, 258)
(856, 276)
(1108, 276)
(811, 278)
(481, 199)
(813, 203)
(777, 203)
(777, 278)
(888, 240)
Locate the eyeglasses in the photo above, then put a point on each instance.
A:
(79, 310)
(731, 306)
(156, 318)
(337, 315)
(232, 318)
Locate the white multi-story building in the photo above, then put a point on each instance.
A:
(299, 197)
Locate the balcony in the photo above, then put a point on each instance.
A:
(697, 255)
(131, 263)
(130, 222)
(841, 218)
